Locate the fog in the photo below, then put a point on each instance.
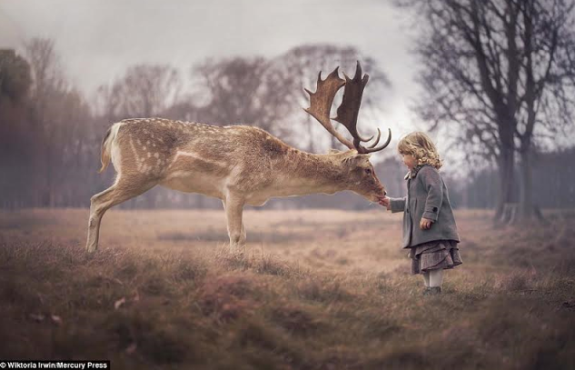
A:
(99, 40)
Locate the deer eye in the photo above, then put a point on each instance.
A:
(368, 171)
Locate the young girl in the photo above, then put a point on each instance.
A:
(429, 229)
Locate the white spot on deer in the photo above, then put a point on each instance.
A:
(157, 155)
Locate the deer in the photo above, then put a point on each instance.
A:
(239, 164)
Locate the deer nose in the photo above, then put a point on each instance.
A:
(384, 193)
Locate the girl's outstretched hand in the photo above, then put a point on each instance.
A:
(425, 224)
(384, 202)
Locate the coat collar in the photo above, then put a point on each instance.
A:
(411, 174)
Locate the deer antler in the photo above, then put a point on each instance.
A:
(349, 109)
(322, 99)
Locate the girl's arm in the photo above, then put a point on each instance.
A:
(434, 186)
(397, 204)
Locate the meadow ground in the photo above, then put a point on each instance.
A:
(315, 290)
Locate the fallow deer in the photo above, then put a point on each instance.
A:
(237, 164)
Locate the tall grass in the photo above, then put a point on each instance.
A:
(332, 290)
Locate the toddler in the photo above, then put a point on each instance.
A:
(429, 229)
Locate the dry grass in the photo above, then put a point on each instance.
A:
(315, 290)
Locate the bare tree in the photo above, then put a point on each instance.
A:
(548, 72)
(58, 115)
(144, 91)
(15, 76)
(240, 90)
(15, 154)
(107, 100)
(498, 69)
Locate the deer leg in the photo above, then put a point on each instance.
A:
(234, 210)
(114, 195)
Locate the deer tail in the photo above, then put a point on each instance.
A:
(106, 151)
(107, 147)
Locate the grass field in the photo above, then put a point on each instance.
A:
(315, 290)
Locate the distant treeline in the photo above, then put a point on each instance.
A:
(553, 183)
(50, 132)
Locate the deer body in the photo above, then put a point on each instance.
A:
(238, 164)
(215, 161)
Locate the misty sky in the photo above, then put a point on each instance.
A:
(98, 39)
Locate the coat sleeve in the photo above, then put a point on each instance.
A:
(434, 186)
(397, 204)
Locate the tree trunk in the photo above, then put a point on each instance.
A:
(47, 197)
(527, 209)
(525, 200)
(506, 183)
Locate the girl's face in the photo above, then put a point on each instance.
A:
(409, 160)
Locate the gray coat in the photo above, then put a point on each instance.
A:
(426, 197)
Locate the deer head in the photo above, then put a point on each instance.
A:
(362, 178)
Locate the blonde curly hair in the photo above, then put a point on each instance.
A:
(420, 146)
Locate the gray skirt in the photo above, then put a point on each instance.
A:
(438, 254)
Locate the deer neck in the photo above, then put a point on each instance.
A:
(312, 173)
